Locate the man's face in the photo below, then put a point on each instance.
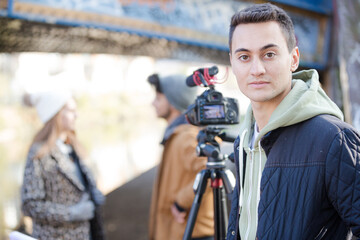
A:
(262, 63)
(162, 106)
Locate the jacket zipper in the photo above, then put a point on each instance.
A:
(321, 234)
(240, 183)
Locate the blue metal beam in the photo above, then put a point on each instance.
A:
(319, 6)
(10, 7)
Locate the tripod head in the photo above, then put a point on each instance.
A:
(208, 146)
(208, 134)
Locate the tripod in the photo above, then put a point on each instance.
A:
(215, 170)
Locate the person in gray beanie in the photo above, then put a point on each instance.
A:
(172, 195)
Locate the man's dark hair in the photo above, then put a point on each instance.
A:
(155, 81)
(266, 12)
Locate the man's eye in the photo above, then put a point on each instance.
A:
(270, 55)
(244, 57)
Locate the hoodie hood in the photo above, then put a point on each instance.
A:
(305, 100)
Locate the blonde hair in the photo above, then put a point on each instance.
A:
(48, 135)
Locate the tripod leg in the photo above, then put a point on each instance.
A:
(220, 209)
(200, 189)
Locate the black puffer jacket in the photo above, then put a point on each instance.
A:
(310, 186)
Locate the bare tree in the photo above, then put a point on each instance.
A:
(348, 29)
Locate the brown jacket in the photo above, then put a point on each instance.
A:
(175, 179)
(47, 192)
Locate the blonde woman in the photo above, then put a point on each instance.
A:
(58, 191)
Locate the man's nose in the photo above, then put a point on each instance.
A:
(257, 67)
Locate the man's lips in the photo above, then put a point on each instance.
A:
(258, 84)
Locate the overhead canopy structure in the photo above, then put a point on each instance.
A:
(182, 29)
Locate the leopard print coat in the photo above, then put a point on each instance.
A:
(47, 192)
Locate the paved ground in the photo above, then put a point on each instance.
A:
(126, 211)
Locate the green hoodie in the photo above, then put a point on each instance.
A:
(305, 100)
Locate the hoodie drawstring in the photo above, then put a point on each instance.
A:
(241, 168)
(259, 176)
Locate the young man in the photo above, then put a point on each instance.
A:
(172, 193)
(298, 163)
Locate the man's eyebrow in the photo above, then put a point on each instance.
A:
(269, 46)
(262, 49)
(242, 50)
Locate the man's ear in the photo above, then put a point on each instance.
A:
(230, 58)
(295, 59)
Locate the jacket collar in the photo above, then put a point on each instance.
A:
(269, 138)
(65, 165)
(171, 128)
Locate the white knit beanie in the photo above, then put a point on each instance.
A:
(47, 104)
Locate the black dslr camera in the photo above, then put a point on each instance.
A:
(210, 107)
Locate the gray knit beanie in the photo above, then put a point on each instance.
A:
(177, 92)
